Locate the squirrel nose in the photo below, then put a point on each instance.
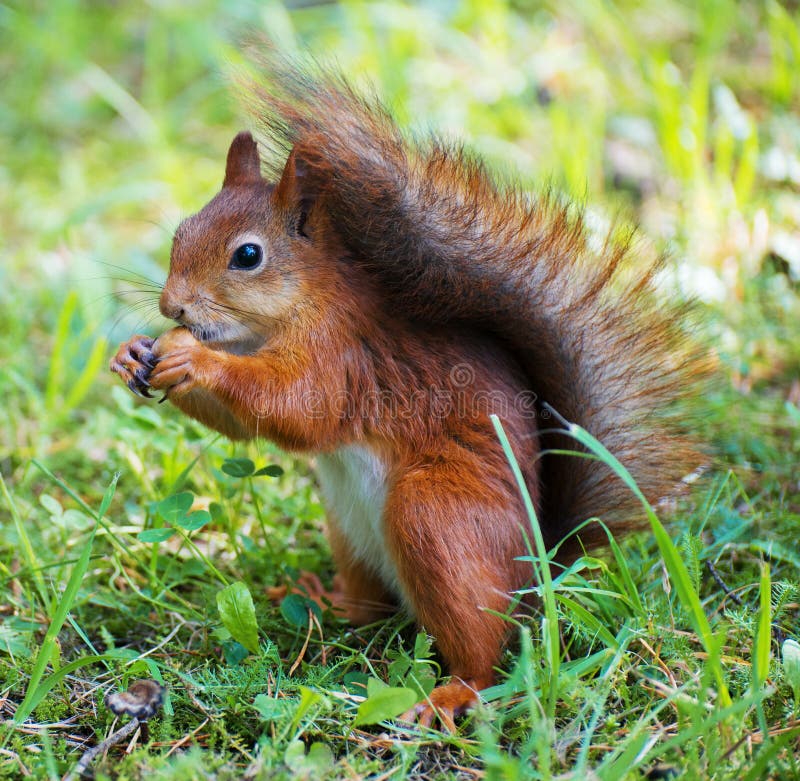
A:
(170, 309)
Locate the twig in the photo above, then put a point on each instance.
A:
(111, 740)
(186, 738)
(305, 644)
(777, 632)
(722, 584)
(321, 638)
(164, 641)
(13, 754)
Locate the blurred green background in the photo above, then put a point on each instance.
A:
(680, 117)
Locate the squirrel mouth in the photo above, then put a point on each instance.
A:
(211, 333)
(227, 338)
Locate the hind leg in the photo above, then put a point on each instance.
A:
(357, 590)
(453, 533)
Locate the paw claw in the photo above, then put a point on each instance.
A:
(447, 719)
(147, 358)
(138, 389)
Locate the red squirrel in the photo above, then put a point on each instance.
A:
(371, 302)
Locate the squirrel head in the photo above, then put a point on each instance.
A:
(245, 264)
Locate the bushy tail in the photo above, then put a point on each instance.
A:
(452, 245)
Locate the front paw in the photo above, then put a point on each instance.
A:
(181, 363)
(134, 363)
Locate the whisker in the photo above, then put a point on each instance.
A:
(127, 313)
(168, 223)
(229, 315)
(139, 283)
(143, 323)
(104, 297)
(131, 273)
(132, 292)
(161, 226)
(137, 306)
(152, 291)
(142, 306)
(258, 316)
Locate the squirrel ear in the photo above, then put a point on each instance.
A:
(243, 165)
(296, 192)
(293, 190)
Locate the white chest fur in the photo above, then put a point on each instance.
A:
(353, 482)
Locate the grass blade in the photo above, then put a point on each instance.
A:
(58, 356)
(678, 573)
(25, 542)
(762, 641)
(544, 577)
(32, 695)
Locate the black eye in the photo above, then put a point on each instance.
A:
(246, 257)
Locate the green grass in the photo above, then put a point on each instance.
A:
(680, 117)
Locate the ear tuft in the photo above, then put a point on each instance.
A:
(295, 188)
(243, 165)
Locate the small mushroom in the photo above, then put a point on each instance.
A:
(142, 701)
